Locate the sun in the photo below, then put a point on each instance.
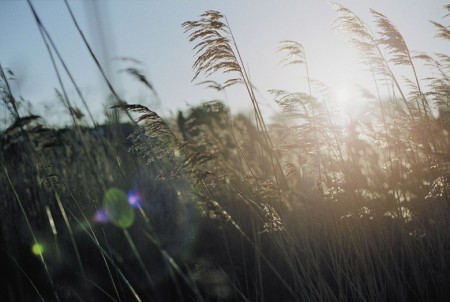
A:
(342, 95)
(342, 98)
(348, 103)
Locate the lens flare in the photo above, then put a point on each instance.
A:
(134, 199)
(101, 216)
(117, 208)
(37, 249)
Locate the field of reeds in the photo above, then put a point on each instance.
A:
(210, 206)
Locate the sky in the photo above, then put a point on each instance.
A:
(151, 32)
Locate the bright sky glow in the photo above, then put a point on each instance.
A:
(342, 95)
(151, 32)
(350, 104)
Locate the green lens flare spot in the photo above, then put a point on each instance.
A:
(37, 249)
(117, 208)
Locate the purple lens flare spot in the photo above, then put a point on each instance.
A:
(134, 199)
(101, 216)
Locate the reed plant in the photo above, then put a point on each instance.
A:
(210, 206)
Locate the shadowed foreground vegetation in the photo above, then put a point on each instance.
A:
(213, 207)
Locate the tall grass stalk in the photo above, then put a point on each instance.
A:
(234, 209)
(30, 229)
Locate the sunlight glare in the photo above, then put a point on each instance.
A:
(349, 103)
(342, 96)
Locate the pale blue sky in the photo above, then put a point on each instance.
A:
(150, 31)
